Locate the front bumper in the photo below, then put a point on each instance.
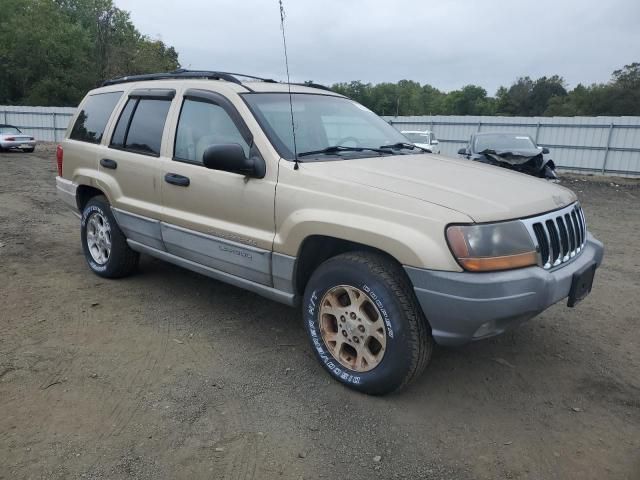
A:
(25, 144)
(67, 192)
(462, 306)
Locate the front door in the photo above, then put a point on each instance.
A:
(219, 219)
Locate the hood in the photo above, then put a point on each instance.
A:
(483, 192)
(513, 157)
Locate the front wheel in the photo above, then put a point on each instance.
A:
(364, 323)
(105, 246)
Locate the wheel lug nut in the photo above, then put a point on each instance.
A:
(361, 328)
(342, 319)
(356, 339)
(352, 315)
(344, 333)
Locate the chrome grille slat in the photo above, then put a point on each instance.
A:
(573, 240)
(559, 236)
(576, 228)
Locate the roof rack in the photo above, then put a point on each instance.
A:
(200, 74)
(313, 85)
(181, 73)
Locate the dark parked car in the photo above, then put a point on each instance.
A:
(510, 150)
(12, 138)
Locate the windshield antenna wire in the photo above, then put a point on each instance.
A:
(286, 63)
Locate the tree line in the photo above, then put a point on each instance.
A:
(53, 51)
(545, 96)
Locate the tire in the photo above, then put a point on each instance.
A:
(114, 262)
(405, 342)
(28, 150)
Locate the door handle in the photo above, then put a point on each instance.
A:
(175, 179)
(108, 163)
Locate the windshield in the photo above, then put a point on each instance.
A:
(10, 130)
(503, 141)
(418, 137)
(321, 121)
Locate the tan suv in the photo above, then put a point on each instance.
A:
(387, 248)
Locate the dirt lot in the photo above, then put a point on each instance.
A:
(169, 374)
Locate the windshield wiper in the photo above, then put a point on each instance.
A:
(340, 148)
(401, 145)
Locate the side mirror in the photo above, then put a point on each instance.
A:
(545, 150)
(230, 157)
(462, 151)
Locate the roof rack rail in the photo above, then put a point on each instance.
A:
(200, 74)
(181, 73)
(313, 85)
(252, 77)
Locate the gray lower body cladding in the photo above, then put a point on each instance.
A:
(462, 306)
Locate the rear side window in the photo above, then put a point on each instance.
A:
(140, 126)
(93, 117)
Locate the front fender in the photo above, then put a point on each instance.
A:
(408, 245)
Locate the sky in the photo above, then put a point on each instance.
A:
(447, 44)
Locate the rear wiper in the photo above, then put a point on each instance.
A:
(400, 145)
(340, 148)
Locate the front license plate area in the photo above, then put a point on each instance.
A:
(581, 285)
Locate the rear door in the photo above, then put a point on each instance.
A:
(131, 165)
(219, 219)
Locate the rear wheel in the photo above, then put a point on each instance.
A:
(29, 150)
(364, 323)
(105, 246)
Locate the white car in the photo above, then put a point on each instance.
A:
(11, 137)
(424, 139)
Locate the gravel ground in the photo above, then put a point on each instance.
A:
(168, 374)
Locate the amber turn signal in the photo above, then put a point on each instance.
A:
(499, 263)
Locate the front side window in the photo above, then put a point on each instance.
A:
(321, 121)
(202, 124)
(140, 126)
(93, 118)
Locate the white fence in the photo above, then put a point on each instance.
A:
(587, 144)
(43, 123)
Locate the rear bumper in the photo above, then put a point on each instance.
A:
(462, 306)
(19, 144)
(67, 192)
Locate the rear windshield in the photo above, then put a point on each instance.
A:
(418, 137)
(10, 130)
(93, 118)
(503, 141)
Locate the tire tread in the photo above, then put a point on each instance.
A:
(124, 263)
(420, 340)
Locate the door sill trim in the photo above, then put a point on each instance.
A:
(263, 290)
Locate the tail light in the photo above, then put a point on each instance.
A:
(59, 157)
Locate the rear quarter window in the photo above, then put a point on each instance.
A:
(93, 118)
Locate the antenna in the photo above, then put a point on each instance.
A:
(286, 63)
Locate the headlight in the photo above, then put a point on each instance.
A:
(499, 246)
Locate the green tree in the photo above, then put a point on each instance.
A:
(53, 51)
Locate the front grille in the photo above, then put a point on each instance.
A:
(559, 235)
